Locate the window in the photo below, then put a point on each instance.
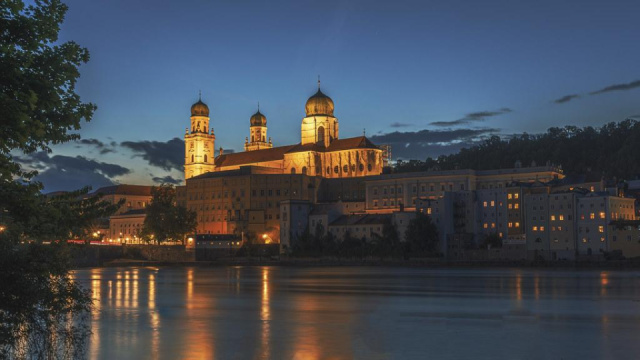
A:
(541, 228)
(493, 203)
(561, 217)
(369, 167)
(602, 215)
(336, 169)
(485, 225)
(535, 228)
(516, 195)
(429, 211)
(516, 206)
(517, 224)
(509, 196)
(553, 218)
(345, 168)
(484, 204)
(601, 228)
(510, 225)
(592, 216)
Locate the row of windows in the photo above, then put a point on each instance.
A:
(423, 189)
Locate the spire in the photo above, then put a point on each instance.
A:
(199, 95)
(318, 82)
(258, 106)
(364, 132)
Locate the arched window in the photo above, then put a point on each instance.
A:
(320, 134)
(252, 138)
(205, 157)
(263, 138)
(191, 157)
(304, 170)
(293, 170)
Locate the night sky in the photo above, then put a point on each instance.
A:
(427, 77)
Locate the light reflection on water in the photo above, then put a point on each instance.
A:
(362, 313)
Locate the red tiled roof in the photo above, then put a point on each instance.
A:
(140, 190)
(252, 157)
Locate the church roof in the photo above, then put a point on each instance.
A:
(359, 142)
(251, 157)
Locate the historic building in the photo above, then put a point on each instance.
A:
(320, 152)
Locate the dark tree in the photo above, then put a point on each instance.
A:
(421, 236)
(39, 302)
(165, 219)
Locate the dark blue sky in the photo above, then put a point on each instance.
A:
(460, 69)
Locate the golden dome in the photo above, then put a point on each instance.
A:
(199, 109)
(319, 104)
(258, 119)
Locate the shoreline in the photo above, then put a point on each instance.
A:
(417, 263)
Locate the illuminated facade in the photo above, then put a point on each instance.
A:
(320, 152)
(199, 143)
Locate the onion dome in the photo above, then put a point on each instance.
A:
(258, 119)
(319, 104)
(199, 109)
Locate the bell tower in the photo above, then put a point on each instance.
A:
(258, 133)
(199, 142)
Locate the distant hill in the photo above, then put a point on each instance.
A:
(611, 150)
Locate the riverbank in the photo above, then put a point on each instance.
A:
(630, 264)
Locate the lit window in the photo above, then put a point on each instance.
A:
(601, 228)
(484, 204)
(516, 205)
(509, 196)
(510, 225)
(584, 240)
(510, 206)
(561, 217)
(602, 215)
(493, 203)
(500, 234)
(517, 224)
(493, 225)
(486, 225)
(553, 218)
(541, 228)
(592, 216)
(515, 196)
(602, 239)
(535, 228)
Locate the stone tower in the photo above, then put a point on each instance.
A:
(199, 143)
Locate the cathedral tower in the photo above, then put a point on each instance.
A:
(199, 142)
(319, 126)
(258, 133)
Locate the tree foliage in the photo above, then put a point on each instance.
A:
(422, 236)
(39, 302)
(610, 150)
(165, 220)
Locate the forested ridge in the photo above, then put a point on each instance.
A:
(612, 150)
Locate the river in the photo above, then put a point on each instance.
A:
(362, 313)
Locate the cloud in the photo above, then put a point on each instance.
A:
(104, 148)
(566, 98)
(472, 117)
(168, 155)
(617, 87)
(430, 143)
(400, 125)
(167, 180)
(61, 172)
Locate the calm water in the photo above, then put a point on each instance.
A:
(362, 313)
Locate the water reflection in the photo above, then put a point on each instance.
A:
(265, 316)
(361, 313)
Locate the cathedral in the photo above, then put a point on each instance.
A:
(320, 151)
